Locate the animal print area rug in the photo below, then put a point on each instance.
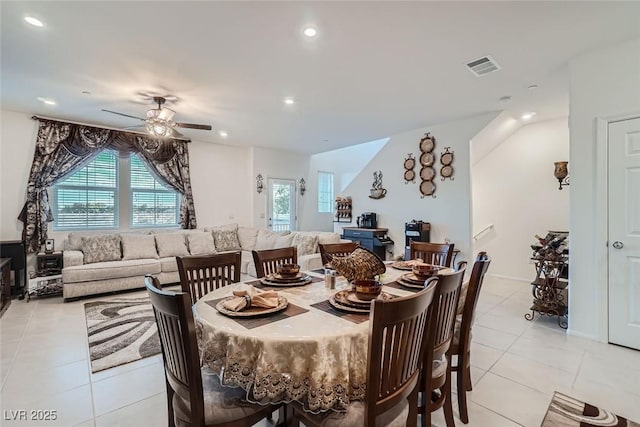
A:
(565, 411)
(120, 330)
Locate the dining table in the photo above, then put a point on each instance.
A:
(309, 352)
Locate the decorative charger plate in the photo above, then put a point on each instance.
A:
(403, 265)
(271, 281)
(251, 311)
(277, 277)
(411, 285)
(349, 298)
(348, 308)
(411, 278)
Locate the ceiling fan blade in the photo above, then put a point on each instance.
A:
(177, 134)
(122, 114)
(193, 126)
(133, 127)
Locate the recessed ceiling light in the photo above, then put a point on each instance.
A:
(47, 101)
(528, 116)
(223, 133)
(34, 21)
(505, 100)
(310, 32)
(289, 101)
(532, 87)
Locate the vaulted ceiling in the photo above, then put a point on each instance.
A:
(374, 69)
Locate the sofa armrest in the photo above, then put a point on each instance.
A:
(72, 258)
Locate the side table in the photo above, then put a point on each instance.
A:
(45, 286)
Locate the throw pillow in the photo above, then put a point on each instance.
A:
(171, 245)
(326, 238)
(285, 241)
(100, 248)
(306, 244)
(247, 237)
(266, 239)
(360, 264)
(226, 238)
(201, 243)
(138, 246)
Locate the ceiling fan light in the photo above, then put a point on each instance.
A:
(153, 114)
(159, 129)
(166, 114)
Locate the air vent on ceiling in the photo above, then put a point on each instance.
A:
(482, 66)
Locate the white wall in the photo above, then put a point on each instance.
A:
(219, 177)
(603, 83)
(515, 190)
(449, 213)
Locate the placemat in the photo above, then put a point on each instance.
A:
(254, 322)
(259, 285)
(397, 285)
(328, 308)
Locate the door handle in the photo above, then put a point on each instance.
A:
(618, 245)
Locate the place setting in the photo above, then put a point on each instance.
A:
(414, 280)
(287, 275)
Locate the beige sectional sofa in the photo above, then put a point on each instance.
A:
(99, 262)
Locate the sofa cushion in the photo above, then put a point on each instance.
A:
(100, 248)
(285, 241)
(168, 264)
(110, 270)
(267, 239)
(306, 243)
(201, 243)
(226, 238)
(138, 246)
(247, 236)
(328, 237)
(246, 259)
(171, 244)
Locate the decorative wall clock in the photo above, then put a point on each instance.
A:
(446, 159)
(409, 164)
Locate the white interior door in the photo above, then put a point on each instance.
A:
(624, 233)
(281, 203)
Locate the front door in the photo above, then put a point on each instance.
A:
(624, 233)
(282, 205)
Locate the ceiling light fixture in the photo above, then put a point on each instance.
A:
(505, 99)
(33, 21)
(289, 101)
(532, 87)
(310, 32)
(223, 133)
(528, 116)
(47, 101)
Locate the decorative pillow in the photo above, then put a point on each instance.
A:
(266, 239)
(285, 241)
(327, 238)
(226, 238)
(201, 243)
(100, 248)
(171, 244)
(138, 246)
(358, 265)
(247, 236)
(306, 244)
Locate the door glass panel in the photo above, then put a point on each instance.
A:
(282, 205)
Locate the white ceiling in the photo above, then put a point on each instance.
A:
(375, 69)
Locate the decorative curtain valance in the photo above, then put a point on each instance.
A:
(62, 148)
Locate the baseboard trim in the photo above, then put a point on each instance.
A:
(504, 276)
(578, 334)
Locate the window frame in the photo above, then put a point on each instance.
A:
(329, 202)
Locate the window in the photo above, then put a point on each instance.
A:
(325, 192)
(152, 203)
(111, 193)
(89, 197)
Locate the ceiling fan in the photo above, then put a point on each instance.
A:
(159, 121)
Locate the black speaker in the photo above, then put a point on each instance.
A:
(17, 251)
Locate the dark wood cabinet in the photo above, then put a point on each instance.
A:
(5, 284)
(374, 239)
(49, 264)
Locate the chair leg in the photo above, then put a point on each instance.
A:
(462, 387)
(412, 421)
(170, 416)
(289, 415)
(446, 390)
(468, 372)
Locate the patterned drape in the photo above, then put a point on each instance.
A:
(62, 148)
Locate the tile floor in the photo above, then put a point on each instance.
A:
(516, 366)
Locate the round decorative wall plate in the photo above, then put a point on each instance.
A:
(409, 163)
(409, 175)
(446, 158)
(427, 159)
(427, 188)
(446, 172)
(427, 174)
(427, 144)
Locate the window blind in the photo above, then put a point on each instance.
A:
(152, 203)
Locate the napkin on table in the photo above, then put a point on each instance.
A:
(266, 299)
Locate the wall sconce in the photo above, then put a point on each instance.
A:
(561, 173)
(259, 184)
(303, 186)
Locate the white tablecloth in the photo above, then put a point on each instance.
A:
(316, 358)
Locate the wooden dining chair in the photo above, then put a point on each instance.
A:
(267, 261)
(436, 380)
(433, 253)
(328, 250)
(461, 345)
(195, 397)
(200, 275)
(397, 341)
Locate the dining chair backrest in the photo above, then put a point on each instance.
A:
(480, 267)
(328, 250)
(177, 333)
(200, 275)
(433, 253)
(398, 332)
(445, 305)
(268, 260)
